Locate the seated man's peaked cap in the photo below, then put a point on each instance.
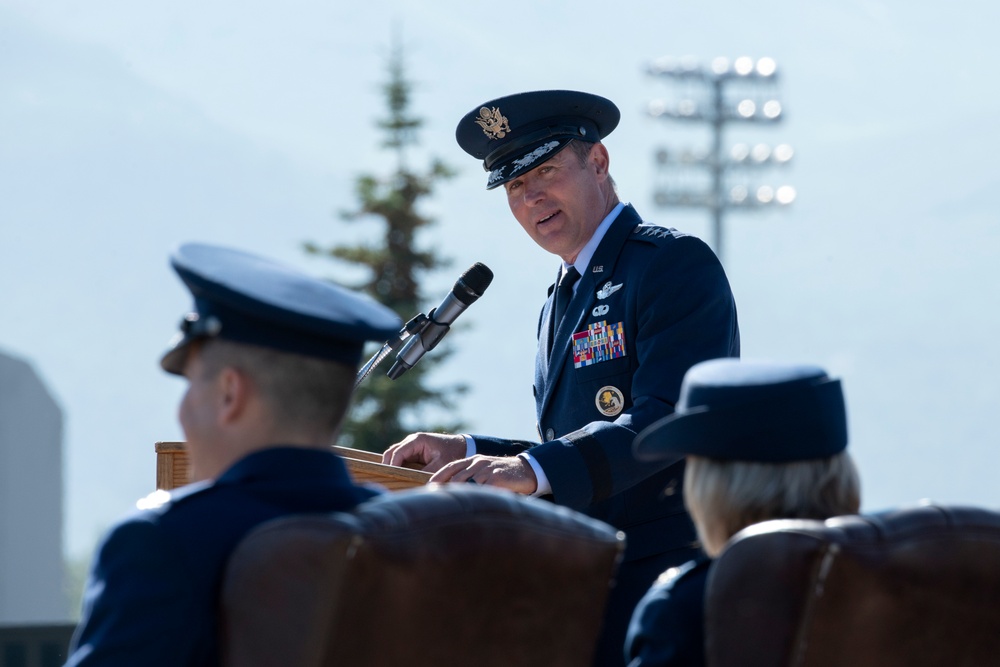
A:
(249, 299)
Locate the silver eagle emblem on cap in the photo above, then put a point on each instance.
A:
(494, 124)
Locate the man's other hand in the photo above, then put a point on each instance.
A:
(508, 472)
(431, 450)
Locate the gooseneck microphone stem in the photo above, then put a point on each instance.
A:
(467, 289)
(413, 327)
(424, 332)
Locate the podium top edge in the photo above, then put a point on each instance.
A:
(178, 446)
(371, 460)
(167, 446)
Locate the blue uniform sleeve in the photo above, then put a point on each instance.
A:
(667, 628)
(138, 607)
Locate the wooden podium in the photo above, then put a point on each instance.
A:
(172, 468)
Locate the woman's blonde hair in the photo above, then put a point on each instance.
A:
(724, 497)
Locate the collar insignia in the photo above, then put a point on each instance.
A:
(608, 290)
(494, 124)
(598, 269)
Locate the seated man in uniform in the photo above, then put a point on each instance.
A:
(763, 441)
(270, 357)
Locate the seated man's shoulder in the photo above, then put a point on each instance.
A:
(198, 524)
(147, 528)
(160, 502)
(198, 504)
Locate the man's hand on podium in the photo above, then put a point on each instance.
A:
(444, 455)
(432, 450)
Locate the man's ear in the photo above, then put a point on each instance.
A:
(234, 394)
(600, 159)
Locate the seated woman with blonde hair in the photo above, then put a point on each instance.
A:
(762, 441)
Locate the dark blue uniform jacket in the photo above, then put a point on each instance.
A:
(667, 628)
(667, 304)
(152, 594)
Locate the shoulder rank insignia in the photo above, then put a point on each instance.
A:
(653, 230)
(608, 290)
(610, 401)
(157, 498)
(494, 124)
(599, 342)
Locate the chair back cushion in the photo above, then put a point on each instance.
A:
(441, 575)
(915, 586)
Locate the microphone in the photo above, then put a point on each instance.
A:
(467, 289)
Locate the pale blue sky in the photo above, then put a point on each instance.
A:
(129, 128)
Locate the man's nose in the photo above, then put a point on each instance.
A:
(533, 193)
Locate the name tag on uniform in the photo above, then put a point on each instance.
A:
(599, 342)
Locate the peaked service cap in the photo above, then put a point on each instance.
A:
(253, 300)
(751, 411)
(512, 134)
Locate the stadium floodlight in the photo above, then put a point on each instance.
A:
(766, 67)
(782, 153)
(710, 100)
(785, 195)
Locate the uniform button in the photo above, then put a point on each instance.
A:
(550, 434)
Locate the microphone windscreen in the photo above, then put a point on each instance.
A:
(476, 279)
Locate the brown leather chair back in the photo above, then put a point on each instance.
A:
(442, 575)
(914, 587)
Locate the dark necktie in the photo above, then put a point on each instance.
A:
(564, 294)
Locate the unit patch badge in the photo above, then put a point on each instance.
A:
(609, 401)
(599, 342)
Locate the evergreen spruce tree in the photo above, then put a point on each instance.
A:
(383, 409)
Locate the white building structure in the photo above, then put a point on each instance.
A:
(32, 576)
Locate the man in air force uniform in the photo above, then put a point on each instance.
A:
(634, 306)
(270, 357)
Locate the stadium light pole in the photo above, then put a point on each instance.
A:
(723, 93)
